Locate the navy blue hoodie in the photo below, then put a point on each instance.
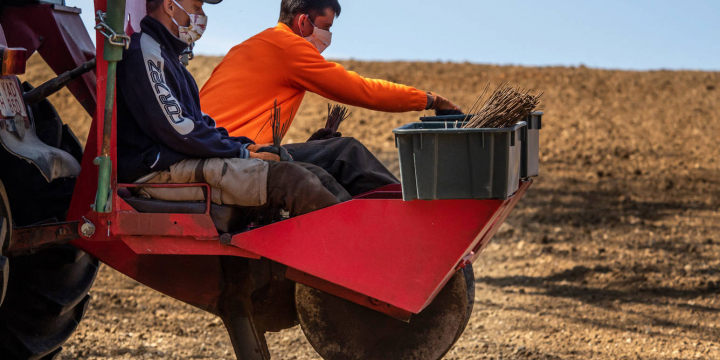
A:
(159, 118)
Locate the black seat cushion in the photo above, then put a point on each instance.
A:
(227, 219)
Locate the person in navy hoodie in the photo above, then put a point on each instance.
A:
(164, 137)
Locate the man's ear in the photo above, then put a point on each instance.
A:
(169, 8)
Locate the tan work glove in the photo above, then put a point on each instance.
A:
(275, 154)
(256, 147)
(264, 156)
(441, 104)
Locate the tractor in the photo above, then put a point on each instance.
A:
(388, 279)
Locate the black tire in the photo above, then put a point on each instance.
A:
(47, 292)
(341, 330)
(469, 275)
(47, 296)
(5, 234)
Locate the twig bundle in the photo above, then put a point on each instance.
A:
(279, 128)
(336, 115)
(504, 107)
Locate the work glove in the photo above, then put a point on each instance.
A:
(281, 154)
(441, 105)
(324, 134)
(257, 147)
(264, 156)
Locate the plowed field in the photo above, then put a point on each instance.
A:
(614, 253)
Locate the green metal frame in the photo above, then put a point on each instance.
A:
(112, 53)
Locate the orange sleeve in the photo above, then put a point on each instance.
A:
(307, 69)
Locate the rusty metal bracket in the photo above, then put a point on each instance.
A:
(32, 238)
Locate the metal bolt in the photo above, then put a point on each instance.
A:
(62, 232)
(87, 229)
(226, 239)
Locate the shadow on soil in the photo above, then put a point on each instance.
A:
(594, 209)
(570, 284)
(558, 285)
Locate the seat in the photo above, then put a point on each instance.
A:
(227, 219)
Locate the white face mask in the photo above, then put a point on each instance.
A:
(320, 38)
(194, 31)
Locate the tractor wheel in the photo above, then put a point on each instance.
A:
(47, 296)
(5, 234)
(469, 276)
(47, 292)
(341, 330)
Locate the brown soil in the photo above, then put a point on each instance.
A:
(614, 253)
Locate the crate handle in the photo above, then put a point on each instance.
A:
(523, 134)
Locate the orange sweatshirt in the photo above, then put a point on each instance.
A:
(278, 64)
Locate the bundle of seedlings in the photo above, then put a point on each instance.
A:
(505, 107)
(336, 115)
(279, 130)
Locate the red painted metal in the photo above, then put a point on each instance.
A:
(57, 33)
(130, 222)
(162, 245)
(330, 288)
(398, 252)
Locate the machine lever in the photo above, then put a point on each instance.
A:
(41, 92)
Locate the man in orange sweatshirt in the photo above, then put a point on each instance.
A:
(283, 63)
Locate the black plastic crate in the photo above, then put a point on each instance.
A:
(440, 160)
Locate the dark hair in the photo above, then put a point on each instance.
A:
(152, 5)
(290, 8)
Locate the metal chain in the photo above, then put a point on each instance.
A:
(113, 37)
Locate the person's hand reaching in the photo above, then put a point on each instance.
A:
(441, 105)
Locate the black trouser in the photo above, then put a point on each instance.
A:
(347, 160)
(327, 180)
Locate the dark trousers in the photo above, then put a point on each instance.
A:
(293, 188)
(347, 160)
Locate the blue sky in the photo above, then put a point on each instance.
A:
(617, 34)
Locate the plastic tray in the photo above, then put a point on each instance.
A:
(441, 161)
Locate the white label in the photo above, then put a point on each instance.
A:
(11, 102)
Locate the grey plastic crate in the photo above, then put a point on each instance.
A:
(440, 161)
(530, 162)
